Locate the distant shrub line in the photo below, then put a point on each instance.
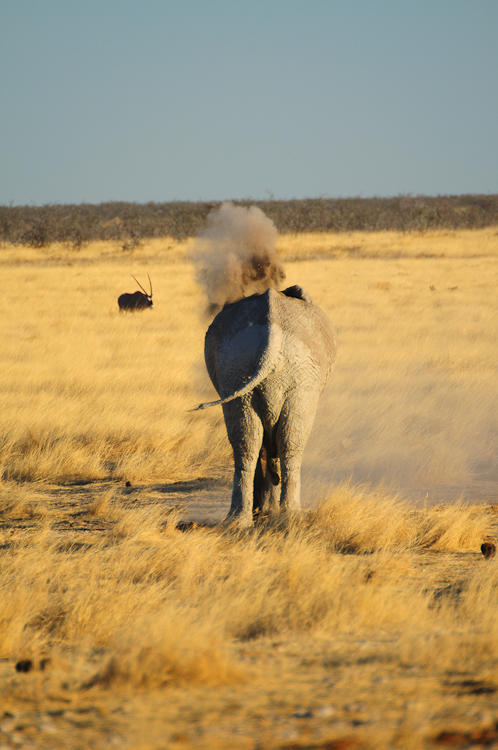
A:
(131, 223)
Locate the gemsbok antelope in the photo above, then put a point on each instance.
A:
(137, 300)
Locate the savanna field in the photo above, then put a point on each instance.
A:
(371, 621)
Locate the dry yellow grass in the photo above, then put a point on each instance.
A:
(370, 620)
(334, 625)
(87, 393)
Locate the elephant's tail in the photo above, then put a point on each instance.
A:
(267, 364)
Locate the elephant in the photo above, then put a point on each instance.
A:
(269, 357)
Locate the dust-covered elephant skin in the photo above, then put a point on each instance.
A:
(269, 357)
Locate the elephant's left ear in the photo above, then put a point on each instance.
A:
(297, 292)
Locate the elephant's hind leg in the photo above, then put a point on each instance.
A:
(293, 431)
(245, 432)
(266, 485)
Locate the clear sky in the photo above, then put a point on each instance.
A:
(159, 100)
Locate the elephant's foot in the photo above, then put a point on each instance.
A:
(238, 520)
(266, 514)
(289, 513)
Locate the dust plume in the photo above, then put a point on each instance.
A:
(235, 256)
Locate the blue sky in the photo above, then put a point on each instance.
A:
(227, 99)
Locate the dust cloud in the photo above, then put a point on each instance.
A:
(235, 256)
(418, 433)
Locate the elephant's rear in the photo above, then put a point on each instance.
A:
(270, 335)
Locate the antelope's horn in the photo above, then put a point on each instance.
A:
(140, 285)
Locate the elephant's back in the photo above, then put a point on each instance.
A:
(289, 332)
